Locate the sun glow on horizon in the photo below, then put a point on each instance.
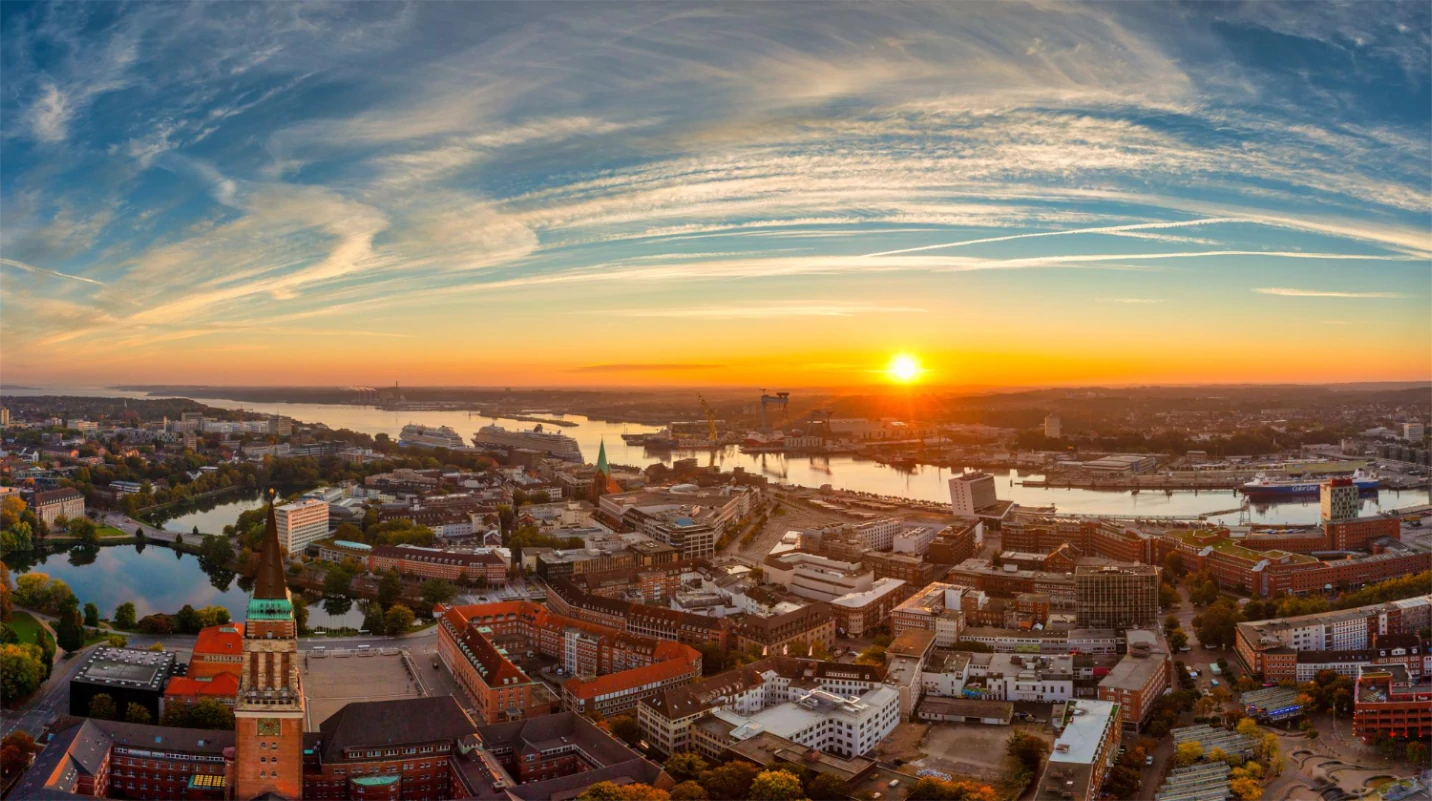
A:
(903, 368)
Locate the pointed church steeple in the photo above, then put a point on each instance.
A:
(269, 581)
(602, 466)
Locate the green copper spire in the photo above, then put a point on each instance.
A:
(602, 458)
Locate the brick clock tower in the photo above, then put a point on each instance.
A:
(268, 759)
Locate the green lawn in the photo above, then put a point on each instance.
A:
(110, 532)
(24, 625)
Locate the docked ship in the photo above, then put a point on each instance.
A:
(1263, 486)
(560, 446)
(416, 436)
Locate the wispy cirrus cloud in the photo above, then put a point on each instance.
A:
(1289, 292)
(250, 168)
(780, 310)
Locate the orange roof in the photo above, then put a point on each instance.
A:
(223, 685)
(630, 679)
(226, 639)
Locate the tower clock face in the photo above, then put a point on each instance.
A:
(269, 727)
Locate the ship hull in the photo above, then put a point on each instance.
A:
(1286, 490)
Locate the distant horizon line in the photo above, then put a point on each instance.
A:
(618, 386)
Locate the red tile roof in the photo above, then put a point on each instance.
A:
(222, 685)
(226, 639)
(630, 679)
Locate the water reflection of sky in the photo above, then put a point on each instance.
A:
(926, 483)
(157, 580)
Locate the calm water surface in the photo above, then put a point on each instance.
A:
(926, 482)
(155, 579)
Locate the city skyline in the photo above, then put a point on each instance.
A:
(775, 194)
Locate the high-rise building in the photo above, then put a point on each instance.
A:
(269, 712)
(1413, 431)
(1339, 500)
(970, 492)
(4, 417)
(1117, 596)
(301, 523)
(1052, 426)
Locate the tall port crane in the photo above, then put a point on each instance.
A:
(710, 418)
(781, 399)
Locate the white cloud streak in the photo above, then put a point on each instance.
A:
(30, 268)
(1319, 293)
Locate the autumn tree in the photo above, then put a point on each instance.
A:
(731, 780)
(689, 791)
(776, 785)
(124, 616)
(398, 620)
(136, 713)
(102, 706)
(1188, 753)
(685, 765)
(15, 751)
(625, 728)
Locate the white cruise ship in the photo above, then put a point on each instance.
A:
(416, 436)
(560, 446)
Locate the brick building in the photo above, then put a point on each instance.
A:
(430, 563)
(52, 505)
(610, 668)
(564, 597)
(808, 625)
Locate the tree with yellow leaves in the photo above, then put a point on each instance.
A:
(1246, 789)
(1188, 753)
(1249, 727)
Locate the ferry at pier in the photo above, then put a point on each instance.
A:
(1263, 486)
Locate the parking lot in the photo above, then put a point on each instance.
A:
(333, 678)
(959, 749)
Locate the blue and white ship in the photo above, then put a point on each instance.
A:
(1263, 486)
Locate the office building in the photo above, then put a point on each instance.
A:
(1052, 426)
(1340, 500)
(1271, 647)
(66, 503)
(301, 523)
(1388, 704)
(971, 492)
(126, 675)
(610, 670)
(1084, 752)
(1414, 432)
(1117, 596)
(88, 757)
(1140, 678)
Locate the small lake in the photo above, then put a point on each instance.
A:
(155, 579)
(212, 515)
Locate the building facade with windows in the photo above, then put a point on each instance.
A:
(301, 523)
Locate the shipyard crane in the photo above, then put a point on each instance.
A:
(710, 418)
(781, 399)
(821, 418)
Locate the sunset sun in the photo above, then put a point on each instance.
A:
(903, 368)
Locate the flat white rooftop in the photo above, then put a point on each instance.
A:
(1088, 719)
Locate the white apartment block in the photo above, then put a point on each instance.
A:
(839, 724)
(999, 677)
(914, 539)
(301, 523)
(935, 608)
(876, 535)
(971, 492)
(817, 577)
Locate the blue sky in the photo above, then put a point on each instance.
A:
(553, 193)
